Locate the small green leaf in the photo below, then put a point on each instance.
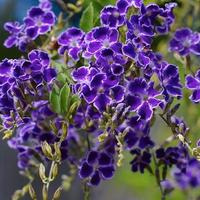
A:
(54, 100)
(64, 98)
(87, 18)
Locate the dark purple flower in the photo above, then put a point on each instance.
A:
(97, 166)
(185, 42)
(71, 41)
(143, 98)
(193, 83)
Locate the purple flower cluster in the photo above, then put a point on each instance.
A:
(24, 87)
(122, 86)
(39, 21)
(116, 79)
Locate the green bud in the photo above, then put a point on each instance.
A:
(46, 148)
(7, 134)
(42, 173)
(196, 153)
(32, 192)
(57, 194)
(54, 171)
(73, 8)
(64, 131)
(57, 152)
(44, 193)
(102, 137)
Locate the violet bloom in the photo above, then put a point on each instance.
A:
(98, 39)
(160, 18)
(190, 177)
(97, 166)
(38, 22)
(17, 36)
(143, 98)
(170, 81)
(114, 16)
(71, 41)
(136, 52)
(185, 42)
(141, 160)
(139, 32)
(193, 83)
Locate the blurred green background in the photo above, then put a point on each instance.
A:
(125, 185)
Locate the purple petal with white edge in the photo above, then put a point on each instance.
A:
(151, 91)
(143, 59)
(49, 74)
(191, 82)
(195, 97)
(173, 90)
(5, 67)
(97, 80)
(74, 53)
(117, 69)
(129, 50)
(154, 102)
(95, 179)
(48, 18)
(88, 94)
(183, 33)
(29, 22)
(94, 46)
(138, 86)
(35, 12)
(101, 33)
(10, 41)
(80, 74)
(117, 92)
(137, 3)
(101, 102)
(107, 172)
(113, 35)
(122, 6)
(197, 75)
(32, 32)
(92, 157)
(44, 29)
(145, 111)
(86, 170)
(195, 49)
(133, 101)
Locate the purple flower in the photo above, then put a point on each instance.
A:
(141, 160)
(100, 38)
(38, 22)
(71, 41)
(113, 16)
(17, 36)
(138, 31)
(185, 42)
(97, 166)
(193, 83)
(143, 98)
(170, 81)
(136, 53)
(188, 178)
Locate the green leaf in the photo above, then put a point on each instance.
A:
(87, 18)
(64, 98)
(54, 100)
(106, 2)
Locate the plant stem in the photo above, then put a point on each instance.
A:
(86, 191)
